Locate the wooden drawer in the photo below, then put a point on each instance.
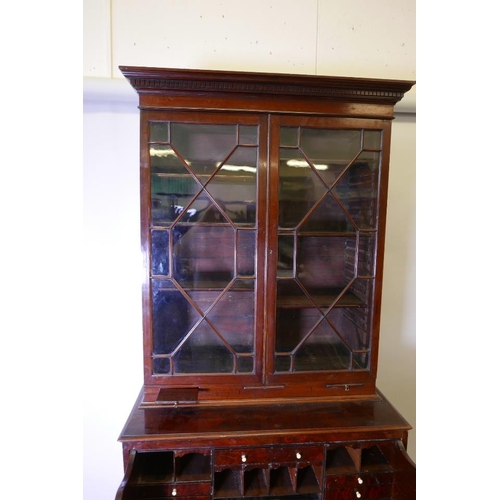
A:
(358, 493)
(171, 490)
(360, 479)
(256, 456)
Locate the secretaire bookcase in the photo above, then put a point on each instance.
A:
(263, 208)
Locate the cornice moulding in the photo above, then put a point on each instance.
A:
(119, 90)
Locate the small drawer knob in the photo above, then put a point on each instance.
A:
(360, 481)
(358, 494)
(298, 455)
(243, 458)
(174, 492)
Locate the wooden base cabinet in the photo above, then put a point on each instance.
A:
(263, 200)
(338, 470)
(328, 471)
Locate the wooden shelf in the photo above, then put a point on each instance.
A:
(321, 300)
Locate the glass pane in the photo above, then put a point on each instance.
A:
(161, 365)
(233, 316)
(360, 291)
(204, 255)
(296, 316)
(159, 253)
(353, 323)
(357, 190)
(203, 147)
(173, 317)
(245, 255)
(282, 363)
(323, 265)
(245, 364)
(360, 360)
(371, 139)
(163, 159)
(249, 134)
(286, 247)
(159, 131)
(300, 188)
(172, 186)
(327, 216)
(234, 186)
(322, 350)
(204, 210)
(330, 151)
(289, 136)
(366, 254)
(203, 299)
(204, 352)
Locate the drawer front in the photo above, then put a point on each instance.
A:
(285, 454)
(305, 454)
(172, 490)
(381, 492)
(360, 479)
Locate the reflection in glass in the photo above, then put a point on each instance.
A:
(204, 147)
(163, 159)
(159, 253)
(330, 143)
(172, 186)
(173, 317)
(300, 188)
(235, 185)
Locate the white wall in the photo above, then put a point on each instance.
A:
(335, 37)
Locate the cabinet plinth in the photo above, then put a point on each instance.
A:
(263, 200)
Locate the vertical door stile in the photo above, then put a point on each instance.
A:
(271, 244)
(380, 246)
(261, 257)
(145, 237)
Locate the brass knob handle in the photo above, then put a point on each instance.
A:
(243, 458)
(298, 455)
(174, 492)
(358, 494)
(360, 481)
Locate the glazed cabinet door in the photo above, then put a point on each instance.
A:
(202, 235)
(326, 227)
(262, 236)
